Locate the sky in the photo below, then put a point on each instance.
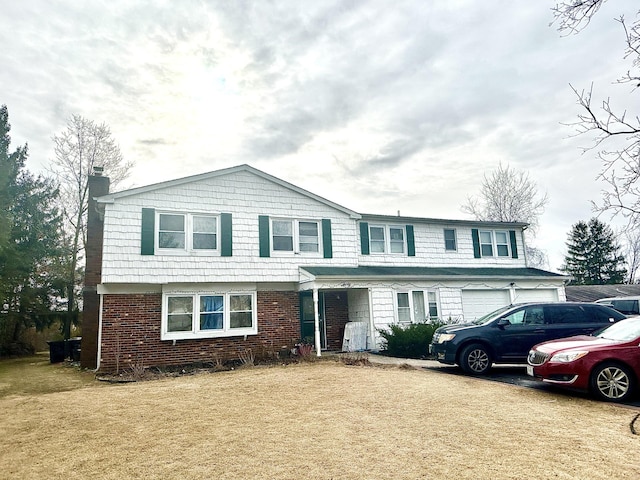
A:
(383, 107)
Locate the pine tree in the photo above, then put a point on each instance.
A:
(593, 256)
(30, 254)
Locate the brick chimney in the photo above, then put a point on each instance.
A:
(98, 186)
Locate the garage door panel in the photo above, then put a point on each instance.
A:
(476, 303)
(536, 295)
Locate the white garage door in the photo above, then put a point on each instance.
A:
(476, 303)
(537, 295)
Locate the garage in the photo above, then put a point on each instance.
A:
(536, 295)
(476, 303)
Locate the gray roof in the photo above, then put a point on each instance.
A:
(591, 293)
(432, 272)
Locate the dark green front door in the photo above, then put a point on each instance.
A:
(307, 317)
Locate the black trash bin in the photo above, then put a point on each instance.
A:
(73, 348)
(56, 351)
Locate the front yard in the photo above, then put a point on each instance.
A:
(320, 420)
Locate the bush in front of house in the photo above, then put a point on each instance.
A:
(408, 341)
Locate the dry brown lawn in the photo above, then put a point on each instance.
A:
(322, 420)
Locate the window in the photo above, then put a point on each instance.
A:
(378, 235)
(491, 242)
(502, 244)
(450, 243)
(412, 308)
(396, 240)
(376, 239)
(187, 232)
(171, 232)
(205, 315)
(486, 244)
(296, 236)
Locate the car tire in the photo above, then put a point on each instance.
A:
(612, 382)
(475, 359)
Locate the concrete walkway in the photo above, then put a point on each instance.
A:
(383, 359)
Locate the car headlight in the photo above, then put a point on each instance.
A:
(567, 357)
(446, 337)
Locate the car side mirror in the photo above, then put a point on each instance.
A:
(503, 322)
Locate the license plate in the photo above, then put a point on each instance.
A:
(530, 370)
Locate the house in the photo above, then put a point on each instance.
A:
(591, 293)
(209, 266)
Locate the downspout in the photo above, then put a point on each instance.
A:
(316, 322)
(99, 334)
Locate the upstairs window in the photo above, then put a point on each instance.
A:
(494, 243)
(387, 239)
(296, 236)
(450, 243)
(187, 232)
(171, 232)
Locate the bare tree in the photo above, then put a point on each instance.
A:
(631, 245)
(82, 146)
(510, 196)
(616, 133)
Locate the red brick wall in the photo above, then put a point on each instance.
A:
(131, 333)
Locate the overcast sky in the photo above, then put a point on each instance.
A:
(383, 107)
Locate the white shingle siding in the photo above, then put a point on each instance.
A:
(246, 197)
(430, 251)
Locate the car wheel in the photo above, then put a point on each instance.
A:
(475, 359)
(612, 382)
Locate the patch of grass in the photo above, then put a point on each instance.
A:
(34, 375)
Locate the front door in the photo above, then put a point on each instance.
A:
(307, 318)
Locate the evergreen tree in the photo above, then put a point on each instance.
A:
(593, 256)
(30, 253)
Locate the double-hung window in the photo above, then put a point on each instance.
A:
(378, 235)
(450, 243)
(183, 232)
(295, 236)
(416, 306)
(494, 241)
(206, 315)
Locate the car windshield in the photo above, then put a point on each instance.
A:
(623, 330)
(491, 315)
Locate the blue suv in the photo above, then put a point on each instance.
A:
(507, 335)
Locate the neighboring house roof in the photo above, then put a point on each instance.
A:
(591, 293)
(217, 173)
(392, 218)
(366, 272)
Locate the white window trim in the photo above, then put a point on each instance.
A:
(494, 243)
(425, 292)
(195, 332)
(188, 248)
(296, 237)
(387, 239)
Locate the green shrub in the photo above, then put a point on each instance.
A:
(408, 341)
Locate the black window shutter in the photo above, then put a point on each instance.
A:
(326, 238)
(364, 238)
(411, 243)
(514, 244)
(226, 235)
(147, 244)
(475, 237)
(263, 234)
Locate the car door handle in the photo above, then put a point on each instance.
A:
(539, 330)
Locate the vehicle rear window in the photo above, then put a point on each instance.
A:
(629, 307)
(602, 314)
(567, 314)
